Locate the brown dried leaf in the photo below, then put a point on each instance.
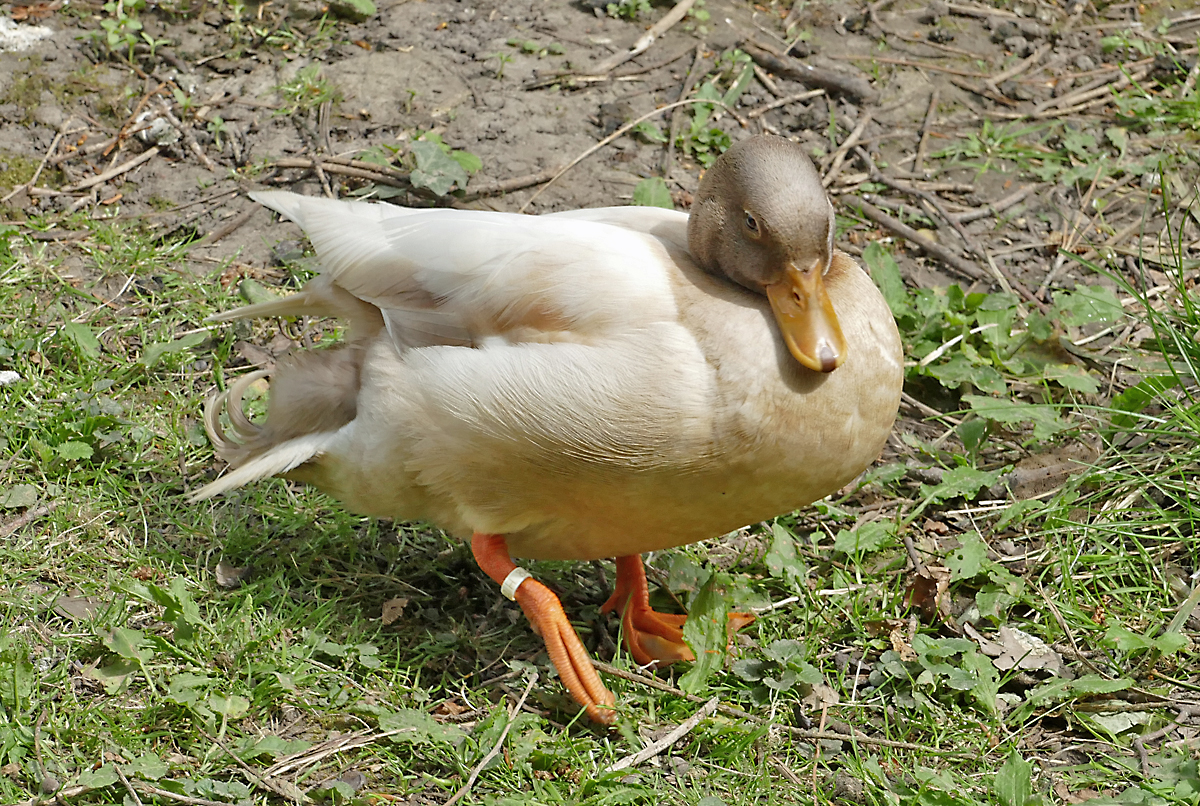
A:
(393, 608)
(230, 576)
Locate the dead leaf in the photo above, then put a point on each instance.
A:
(77, 608)
(450, 708)
(145, 573)
(927, 591)
(393, 608)
(821, 696)
(254, 354)
(230, 576)
(900, 645)
(1025, 651)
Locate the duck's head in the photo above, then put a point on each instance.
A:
(762, 219)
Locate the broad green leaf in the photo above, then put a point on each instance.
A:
(358, 10)
(435, 169)
(886, 274)
(1138, 396)
(1086, 305)
(782, 560)
(83, 337)
(960, 481)
(148, 766)
(231, 707)
(17, 496)
(751, 670)
(469, 162)
(785, 651)
(1171, 642)
(1014, 781)
(1058, 690)
(1045, 420)
(153, 353)
(653, 192)
(987, 682)
(706, 632)
(74, 450)
(418, 727)
(98, 779)
(966, 561)
(129, 644)
(867, 537)
(1073, 377)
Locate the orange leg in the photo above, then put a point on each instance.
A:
(650, 635)
(545, 612)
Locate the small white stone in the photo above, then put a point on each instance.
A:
(15, 37)
(7, 376)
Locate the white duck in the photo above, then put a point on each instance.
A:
(596, 383)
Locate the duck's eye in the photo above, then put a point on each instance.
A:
(751, 223)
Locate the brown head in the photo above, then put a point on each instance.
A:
(762, 219)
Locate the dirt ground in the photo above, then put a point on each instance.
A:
(462, 70)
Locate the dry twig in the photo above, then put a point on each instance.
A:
(685, 727)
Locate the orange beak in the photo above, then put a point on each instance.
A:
(806, 318)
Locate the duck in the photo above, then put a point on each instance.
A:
(579, 385)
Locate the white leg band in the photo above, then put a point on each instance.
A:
(513, 581)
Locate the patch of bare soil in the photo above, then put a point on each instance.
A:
(218, 97)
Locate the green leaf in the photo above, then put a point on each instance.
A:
(436, 170)
(966, 561)
(231, 707)
(129, 644)
(960, 481)
(867, 537)
(74, 450)
(18, 496)
(153, 353)
(1014, 781)
(83, 337)
(1086, 686)
(782, 560)
(1088, 305)
(886, 274)
(148, 766)
(986, 682)
(649, 132)
(1045, 420)
(1137, 397)
(706, 632)
(1073, 377)
(469, 162)
(418, 727)
(735, 91)
(653, 192)
(98, 779)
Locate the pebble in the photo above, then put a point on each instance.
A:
(8, 377)
(1018, 45)
(1085, 62)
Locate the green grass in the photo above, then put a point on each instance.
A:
(123, 647)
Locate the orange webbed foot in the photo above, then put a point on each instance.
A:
(651, 636)
(545, 612)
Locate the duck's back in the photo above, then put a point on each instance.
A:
(591, 393)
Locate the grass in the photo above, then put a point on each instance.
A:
(127, 647)
(270, 646)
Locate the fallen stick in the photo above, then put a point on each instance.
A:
(839, 156)
(229, 228)
(996, 207)
(800, 96)
(812, 76)
(372, 173)
(145, 156)
(922, 145)
(647, 39)
(927, 246)
(508, 185)
(49, 152)
(686, 727)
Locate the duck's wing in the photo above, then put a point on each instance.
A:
(459, 277)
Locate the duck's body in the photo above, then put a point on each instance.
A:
(574, 382)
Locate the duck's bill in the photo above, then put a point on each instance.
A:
(807, 320)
